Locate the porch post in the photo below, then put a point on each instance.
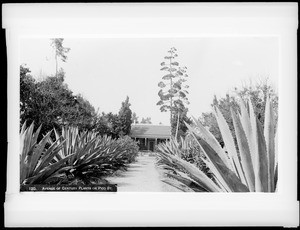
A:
(146, 144)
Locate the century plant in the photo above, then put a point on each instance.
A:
(94, 157)
(251, 166)
(35, 158)
(173, 90)
(73, 157)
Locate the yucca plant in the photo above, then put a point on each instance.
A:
(251, 166)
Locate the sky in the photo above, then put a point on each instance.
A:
(106, 70)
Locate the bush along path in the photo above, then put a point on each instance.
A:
(141, 176)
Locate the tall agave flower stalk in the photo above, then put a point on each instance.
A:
(251, 166)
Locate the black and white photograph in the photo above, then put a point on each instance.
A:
(149, 109)
(161, 115)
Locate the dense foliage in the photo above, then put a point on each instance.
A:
(135, 118)
(258, 95)
(146, 120)
(125, 118)
(50, 102)
(115, 125)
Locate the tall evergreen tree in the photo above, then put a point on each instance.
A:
(125, 118)
(60, 51)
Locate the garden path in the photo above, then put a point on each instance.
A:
(142, 176)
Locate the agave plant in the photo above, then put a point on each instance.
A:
(93, 156)
(72, 158)
(249, 166)
(35, 159)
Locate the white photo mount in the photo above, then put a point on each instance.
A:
(183, 20)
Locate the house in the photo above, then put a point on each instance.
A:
(148, 135)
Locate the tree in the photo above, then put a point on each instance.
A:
(135, 118)
(83, 114)
(60, 51)
(125, 118)
(51, 103)
(102, 125)
(173, 90)
(115, 125)
(56, 103)
(27, 95)
(41, 101)
(257, 94)
(146, 120)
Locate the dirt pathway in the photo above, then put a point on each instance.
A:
(142, 176)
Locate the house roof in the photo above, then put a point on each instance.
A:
(150, 131)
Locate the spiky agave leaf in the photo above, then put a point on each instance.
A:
(269, 133)
(244, 151)
(192, 171)
(226, 175)
(229, 144)
(200, 131)
(276, 162)
(37, 153)
(259, 152)
(29, 150)
(35, 158)
(214, 162)
(46, 173)
(49, 155)
(177, 184)
(187, 182)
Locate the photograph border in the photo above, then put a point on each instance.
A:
(148, 21)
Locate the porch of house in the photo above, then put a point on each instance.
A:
(149, 143)
(149, 136)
